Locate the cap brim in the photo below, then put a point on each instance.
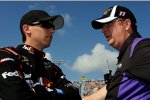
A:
(57, 20)
(98, 23)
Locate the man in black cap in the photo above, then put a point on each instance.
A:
(25, 73)
(131, 80)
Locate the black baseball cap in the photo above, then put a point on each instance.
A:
(39, 16)
(111, 14)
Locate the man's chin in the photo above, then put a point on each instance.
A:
(46, 46)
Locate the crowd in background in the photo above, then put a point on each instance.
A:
(89, 87)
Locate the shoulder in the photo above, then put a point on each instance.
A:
(142, 49)
(144, 45)
(8, 54)
(144, 42)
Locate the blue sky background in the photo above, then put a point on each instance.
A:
(84, 50)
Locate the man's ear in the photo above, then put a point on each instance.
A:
(127, 24)
(26, 30)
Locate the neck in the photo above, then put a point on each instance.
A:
(36, 46)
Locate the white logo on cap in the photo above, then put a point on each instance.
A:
(122, 13)
(106, 12)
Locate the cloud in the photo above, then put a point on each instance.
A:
(48, 56)
(51, 9)
(67, 23)
(67, 19)
(96, 61)
(33, 6)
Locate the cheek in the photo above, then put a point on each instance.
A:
(38, 35)
(117, 33)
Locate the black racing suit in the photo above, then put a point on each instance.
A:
(26, 75)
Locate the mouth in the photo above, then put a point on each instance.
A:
(49, 37)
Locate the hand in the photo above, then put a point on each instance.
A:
(41, 92)
(57, 94)
(71, 92)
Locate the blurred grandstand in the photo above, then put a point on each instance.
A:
(88, 87)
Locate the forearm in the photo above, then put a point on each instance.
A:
(99, 95)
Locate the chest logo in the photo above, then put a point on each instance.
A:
(119, 65)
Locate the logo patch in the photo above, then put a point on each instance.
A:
(30, 49)
(10, 74)
(25, 59)
(120, 65)
(106, 11)
(122, 13)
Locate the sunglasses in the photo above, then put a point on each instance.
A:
(44, 24)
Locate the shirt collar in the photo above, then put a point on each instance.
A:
(129, 40)
(31, 50)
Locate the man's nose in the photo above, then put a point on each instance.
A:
(51, 31)
(104, 29)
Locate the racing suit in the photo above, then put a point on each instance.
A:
(26, 75)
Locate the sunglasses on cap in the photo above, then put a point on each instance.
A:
(44, 24)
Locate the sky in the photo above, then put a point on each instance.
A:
(85, 51)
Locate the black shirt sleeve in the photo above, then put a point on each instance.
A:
(70, 91)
